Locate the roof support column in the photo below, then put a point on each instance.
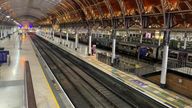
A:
(113, 35)
(145, 23)
(90, 42)
(168, 24)
(53, 35)
(60, 37)
(159, 39)
(1, 37)
(5, 32)
(76, 40)
(67, 39)
(113, 51)
(50, 33)
(127, 25)
(185, 41)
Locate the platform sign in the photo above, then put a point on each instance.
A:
(3, 56)
(139, 83)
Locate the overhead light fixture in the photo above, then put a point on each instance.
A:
(7, 16)
(16, 22)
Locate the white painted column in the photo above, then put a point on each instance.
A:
(53, 35)
(185, 41)
(67, 39)
(60, 38)
(1, 36)
(2, 32)
(76, 41)
(90, 40)
(113, 51)
(164, 66)
(141, 38)
(50, 35)
(159, 41)
(5, 32)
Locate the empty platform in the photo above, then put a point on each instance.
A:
(165, 97)
(12, 76)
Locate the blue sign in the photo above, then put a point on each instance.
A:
(139, 83)
(3, 56)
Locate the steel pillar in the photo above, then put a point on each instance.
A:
(1, 33)
(164, 66)
(185, 41)
(67, 39)
(76, 41)
(168, 23)
(113, 51)
(90, 40)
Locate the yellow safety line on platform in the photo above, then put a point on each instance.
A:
(129, 83)
(52, 94)
(135, 86)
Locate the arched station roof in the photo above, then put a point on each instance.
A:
(154, 12)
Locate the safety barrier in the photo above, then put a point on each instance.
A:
(28, 88)
(179, 66)
(127, 65)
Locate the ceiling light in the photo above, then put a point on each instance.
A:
(7, 16)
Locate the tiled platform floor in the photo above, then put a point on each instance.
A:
(12, 77)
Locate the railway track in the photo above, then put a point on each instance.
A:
(83, 90)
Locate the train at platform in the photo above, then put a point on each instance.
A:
(148, 52)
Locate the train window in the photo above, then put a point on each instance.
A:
(183, 56)
(173, 55)
(190, 58)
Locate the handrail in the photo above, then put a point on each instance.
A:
(28, 88)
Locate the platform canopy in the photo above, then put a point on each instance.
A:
(154, 12)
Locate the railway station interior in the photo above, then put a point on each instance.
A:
(95, 53)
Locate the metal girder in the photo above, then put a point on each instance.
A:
(81, 7)
(188, 4)
(168, 23)
(145, 22)
(113, 34)
(140, 8)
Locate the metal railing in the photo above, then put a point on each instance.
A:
(28, 88)
(180, 66)
(128, 65)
